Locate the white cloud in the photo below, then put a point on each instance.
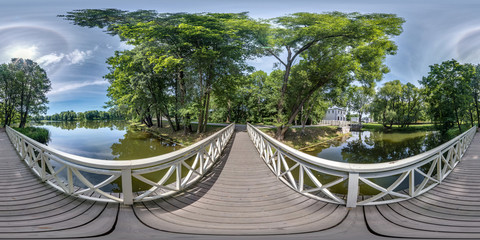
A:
(73, 86)
(78, 56)
(50, 59)
(74, 57)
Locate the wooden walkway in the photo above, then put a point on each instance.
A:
(240, 198)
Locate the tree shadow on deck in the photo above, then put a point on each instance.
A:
(195, 192)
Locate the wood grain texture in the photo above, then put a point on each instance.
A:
(240, 196)
(238, 199)
(450, 210)
(30, 208)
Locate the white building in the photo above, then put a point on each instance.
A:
(336, 113)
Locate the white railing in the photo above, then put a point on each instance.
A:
(334, 123)
(159, 176)
(360, 184)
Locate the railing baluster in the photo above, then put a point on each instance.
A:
(127, 186)
(455, 148)
(352, 189)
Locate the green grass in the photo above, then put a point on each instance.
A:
(313, 135)
(38, 134)
(398, 128)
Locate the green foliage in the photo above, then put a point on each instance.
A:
(336, 49)
(179, 60)
(358, 100)
(397, 103)
(38, 134)
(23, 88)
(399, 128)
(111, 114)
(448, 91)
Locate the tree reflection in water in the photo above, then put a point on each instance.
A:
(137, 144)
(377, 147)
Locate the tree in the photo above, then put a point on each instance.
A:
(397, 103)
(203, 50)
(447, 88)
(475, 89)
(8, 93)
(24, 85)
(359, 98)
(336, 48)
(386, 101)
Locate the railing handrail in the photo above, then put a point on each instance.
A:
(123, 164)
(361, 167)
(421, 172)
(49, 163)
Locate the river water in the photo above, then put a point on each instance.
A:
(110, 140)
(376, 147)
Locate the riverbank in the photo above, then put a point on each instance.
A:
(311, 137)
(397, 128)
(449, 134)
(178, 137)
(36, 133)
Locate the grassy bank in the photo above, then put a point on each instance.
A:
(178, 137)
(36, 133)
(398, 128)
(313, 135)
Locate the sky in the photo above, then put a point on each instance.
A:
(74, 57)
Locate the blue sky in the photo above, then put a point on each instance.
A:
(74, 57)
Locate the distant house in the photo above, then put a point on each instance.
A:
(336, 113)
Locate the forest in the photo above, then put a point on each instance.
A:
(188, 67)
(196, 67)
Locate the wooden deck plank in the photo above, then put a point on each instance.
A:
(450, 210)
(239, 197)
(223, 204)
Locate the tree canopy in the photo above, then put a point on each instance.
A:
(183, 64)
(23, 88)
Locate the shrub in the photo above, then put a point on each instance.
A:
(38, 134)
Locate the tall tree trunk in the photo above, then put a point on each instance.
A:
(229, 109)
(476, 107)
(282, 129)
(207, 105)
(295, 110)
(471, 116)
(202, 100)
(458, 120)
(200, 116)
(159, 120)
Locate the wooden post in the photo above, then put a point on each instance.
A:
(411, 181)
(352, 190)
(127, 186)
(69, 180)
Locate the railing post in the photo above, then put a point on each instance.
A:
(127, 186)
(352, 190)
(439, 167)
(43, 158)
(69, 180)
(411, 183)
(179, 175)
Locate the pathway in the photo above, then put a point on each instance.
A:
(240, 198)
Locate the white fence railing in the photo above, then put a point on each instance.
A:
(334, 123)
(360, 184)
(139, 180)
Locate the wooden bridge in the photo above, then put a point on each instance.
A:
(239, 197)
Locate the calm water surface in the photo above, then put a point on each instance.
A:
(377, 147)
(109, 140)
